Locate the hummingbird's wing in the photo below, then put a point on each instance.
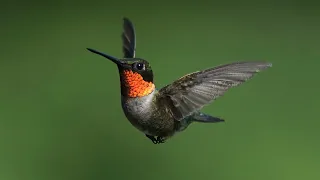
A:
(128, 39)
(193, 91)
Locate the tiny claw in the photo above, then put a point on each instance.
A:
(152, 138)
(157, 140)
(160, 140)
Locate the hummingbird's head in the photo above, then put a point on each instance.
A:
(136, 75)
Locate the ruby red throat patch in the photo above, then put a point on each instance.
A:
(136, 86)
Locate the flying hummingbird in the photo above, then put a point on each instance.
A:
(161, 113)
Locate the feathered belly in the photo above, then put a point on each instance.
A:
(146, 117)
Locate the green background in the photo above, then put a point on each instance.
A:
(60, 112)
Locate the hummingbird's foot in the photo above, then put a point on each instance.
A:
(157, 140)
(160, 140)
(152, 138)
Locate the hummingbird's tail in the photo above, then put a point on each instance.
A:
(205, 118)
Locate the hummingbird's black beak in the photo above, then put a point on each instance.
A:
(113, 59)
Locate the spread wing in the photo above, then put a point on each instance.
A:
(193, 91)
(128, 39)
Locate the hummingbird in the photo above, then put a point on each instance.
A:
(161, 113)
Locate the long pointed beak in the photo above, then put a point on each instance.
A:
(113, 59)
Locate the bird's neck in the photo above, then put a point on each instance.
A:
(133, 85)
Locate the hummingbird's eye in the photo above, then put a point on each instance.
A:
(140, 66)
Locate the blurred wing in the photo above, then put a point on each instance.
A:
(128, 39)
(193, 91)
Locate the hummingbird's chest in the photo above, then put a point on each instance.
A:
(138, 109)
(146, 115)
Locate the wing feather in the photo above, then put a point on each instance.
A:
(193, 91)
(128, 39)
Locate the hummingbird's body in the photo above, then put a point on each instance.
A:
(147, 115)
(144, 107)
(161, 113)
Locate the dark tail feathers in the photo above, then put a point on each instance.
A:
(204, 118)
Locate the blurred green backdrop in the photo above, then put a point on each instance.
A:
(60, 113)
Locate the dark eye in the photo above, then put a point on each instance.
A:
(140, 66)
